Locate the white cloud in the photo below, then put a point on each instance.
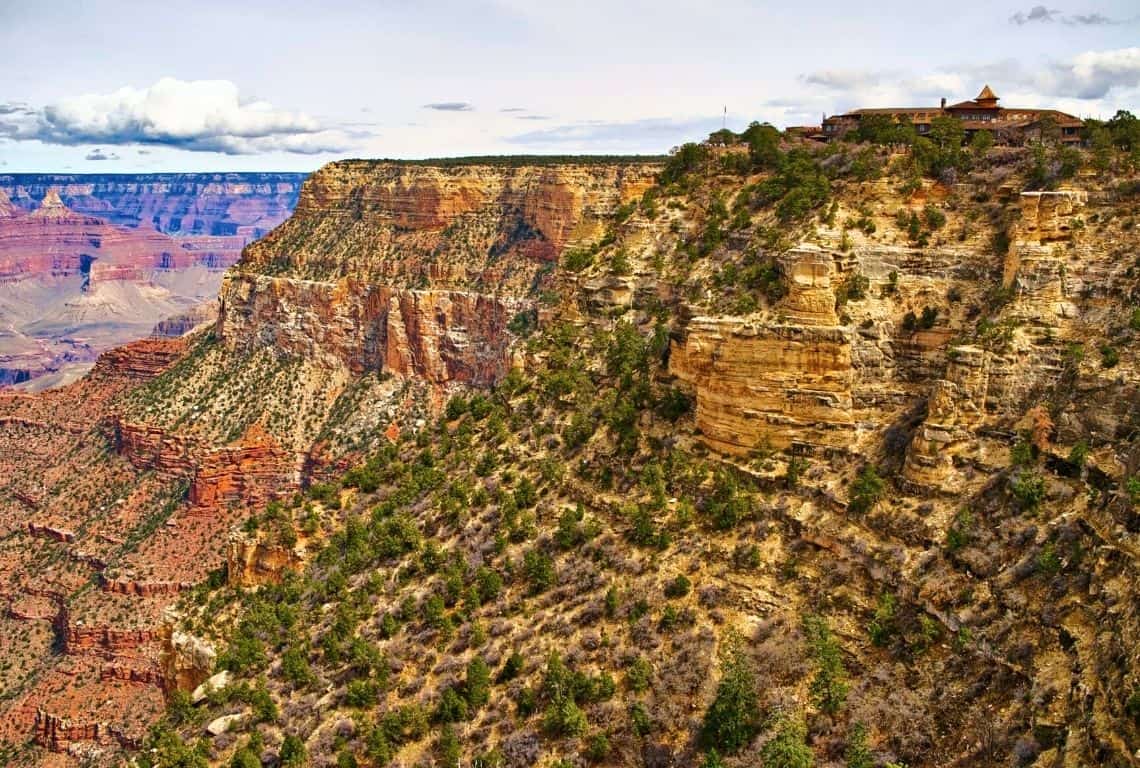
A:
(842, 79)
(1093, 80)
(1091, 75)
(200, 115)
(650, 135)
(450, 106)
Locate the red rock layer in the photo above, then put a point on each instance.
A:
(104, 640)
(252, 471)
(57, 733)
(48, 532)
(58, 242)
(142, 359)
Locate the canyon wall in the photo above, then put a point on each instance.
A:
(416, 269)
(219, 204)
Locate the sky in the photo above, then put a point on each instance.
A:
(102, 86)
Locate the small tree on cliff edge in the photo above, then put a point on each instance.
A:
(866, 491)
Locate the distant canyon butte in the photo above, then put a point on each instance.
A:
(89, 262)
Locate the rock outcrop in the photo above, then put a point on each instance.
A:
(143, 359)
(956, 404)
(187, 661)
(1036, 265)
(761, 386)
(57, 733)
(439, 336)
(251, 471)
(251, 560)
(415, 269)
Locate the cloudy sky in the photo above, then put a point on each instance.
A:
(112, 85)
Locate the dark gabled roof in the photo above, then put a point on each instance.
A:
(973, 104)
(892, 110)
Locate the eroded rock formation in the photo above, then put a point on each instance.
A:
(340, 282)
(251, 560)
(219, 204)
(83, 280)
(760, 384)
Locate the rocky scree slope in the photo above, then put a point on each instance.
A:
(122, 490)
(786, 455)
(844, 483)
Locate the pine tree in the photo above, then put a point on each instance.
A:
(731, 720)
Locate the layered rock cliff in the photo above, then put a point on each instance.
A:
(416, 269)
(191, 438)
(220, 204)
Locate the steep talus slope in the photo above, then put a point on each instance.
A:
(141, 470)
(794, 452)
(905, 394)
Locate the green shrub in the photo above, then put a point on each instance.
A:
(683, 161)
(788, 746)
(639, 719)
(511, 667)
(866, 491)
(620, 264)
(858, 753)
(360, 694)
(564, 718)
(854, 288)
(597, 747)
(293, 753)
(1048, 561)
(524, 323)
(958, 535)
(478, 683)
(728, 505)
(829, 686)
(882, 626)
(934, 218)
(448, 748)
(638, 675)
(1079, 455)
(538, 568)
(1029, 489)
(1132, 488)
(452, 708)
(678, 587)
(245, 758)
(577, 260)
